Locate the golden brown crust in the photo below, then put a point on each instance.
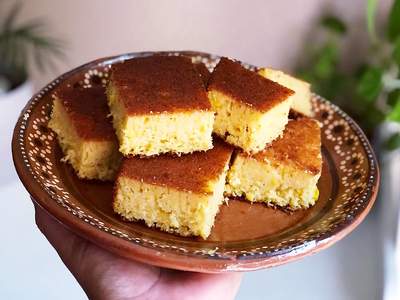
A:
(232, 79)
(203, 71)
(158, 84)
(300, 145)
(88, 110)
(187, 172)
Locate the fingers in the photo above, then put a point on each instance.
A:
(218, 286)
(190, 285)
(100, 273)
(105, 276)
(64, 242)
(70, 248)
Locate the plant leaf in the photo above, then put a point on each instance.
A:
(334, 24)
(32, 28)
(394, 114)
(393, 26)
(393, 142)
(371, 12)
(393, 97)
(370, 84)
(326, 60)
(19, 43)
(370, 116)
(27, 41)
(396, 51)
(11, 16)
(38, 58)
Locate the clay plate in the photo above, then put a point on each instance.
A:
(245, 237)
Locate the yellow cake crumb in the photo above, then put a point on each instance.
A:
(285, 173)
(176, 194)
(159, 105)
(251, 111)
(302, 97)
(246, 127)
(178, 132)
(92, 155)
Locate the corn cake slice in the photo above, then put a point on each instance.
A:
(285, 173)
(159, 104)
(86, 136)
(251, 110)
(302, 97)
(179, 194)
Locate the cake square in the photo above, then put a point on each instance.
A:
(302, 97)
(159, 104)
(179, 194)
(285, 173)
(86, 136)
(251, 110)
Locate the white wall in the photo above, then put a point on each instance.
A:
(259, 32)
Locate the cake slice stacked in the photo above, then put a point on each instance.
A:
(251, 111)
(173, 174)
(159, 105)
(302, 97)
(86, 136)
(177, 194)
(285, 173)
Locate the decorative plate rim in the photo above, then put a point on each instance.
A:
(228, 260)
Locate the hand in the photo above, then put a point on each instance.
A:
(103, 275)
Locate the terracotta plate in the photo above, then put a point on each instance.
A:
(245, 237)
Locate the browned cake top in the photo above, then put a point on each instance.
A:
(299, 146)
(87, 108)
(203, 71)
(190, 172)
(157, 84)
(234, 80)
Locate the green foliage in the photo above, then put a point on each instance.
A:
(369, 85)
(393, 98)
(396, 52)
(394, 114)
(321, 71)
(371, 12)
(393, 142)
(371, 91)
(20, 43)
(334, 24)
(393, 26)
(370, 117)
(325, 62)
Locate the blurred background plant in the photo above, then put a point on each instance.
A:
(369, 92)
(22, 44)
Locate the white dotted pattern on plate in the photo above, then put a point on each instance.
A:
(337, 128)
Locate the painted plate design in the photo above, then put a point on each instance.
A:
(245, 236)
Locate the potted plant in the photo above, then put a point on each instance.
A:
(20, 45)
(370, 93)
